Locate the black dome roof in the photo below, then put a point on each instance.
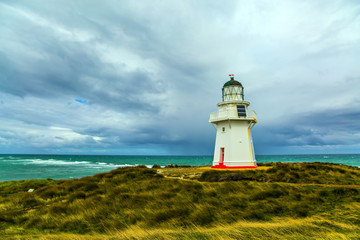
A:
(232, 82)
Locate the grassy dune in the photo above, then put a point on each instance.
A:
(277, 201)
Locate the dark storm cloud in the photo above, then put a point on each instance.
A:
(73, 67)
(152, 72)
(331, 127)
(57, 77)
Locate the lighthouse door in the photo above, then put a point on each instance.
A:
(222, 151)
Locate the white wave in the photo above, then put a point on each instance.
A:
(113, 166)
(54, 162)
(101, 163)
(86, 164)
(123, 165)
(120, 165)
(20, 160)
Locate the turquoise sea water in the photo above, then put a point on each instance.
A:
(17, 167)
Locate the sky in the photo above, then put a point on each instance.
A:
(141, 77)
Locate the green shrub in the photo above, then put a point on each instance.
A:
(236, 203)
(211, 193)
(95, 193)
(204, 215)
(33, 222)
(301, 210)
(76, 195)
(28, 200)
(166, 195)
(59, 209)
(323, 193)
(229, 187)
(272, 207)
(255, 215)
(83, 185)
(141, 166)
(268, 194)
(192, 188)
(91, 187)
(289, 172)
(340, 191)
(118, 190)
(49, 192)
(209, 176)
(10, 215)
(75, 226)
(180, 212)
(100, 175)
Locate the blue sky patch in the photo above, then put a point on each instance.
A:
(83, 101)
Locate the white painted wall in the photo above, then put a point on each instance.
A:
(236, 139)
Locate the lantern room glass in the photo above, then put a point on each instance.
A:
(232, 93)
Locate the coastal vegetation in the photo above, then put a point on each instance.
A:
(275, 201)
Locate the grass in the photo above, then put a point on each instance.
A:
(282, 201)
(317, 173)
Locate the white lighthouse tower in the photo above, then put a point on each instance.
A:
(233, 122)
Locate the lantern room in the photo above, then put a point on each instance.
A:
(232, 90)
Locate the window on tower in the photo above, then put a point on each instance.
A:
(223, 129)
(241, 110)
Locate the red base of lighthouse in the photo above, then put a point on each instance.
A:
(222, 166)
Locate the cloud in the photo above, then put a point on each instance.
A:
(150, 74)
(334, 130)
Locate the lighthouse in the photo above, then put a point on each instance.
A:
(233, 123)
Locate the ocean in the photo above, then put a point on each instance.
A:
(19, 167)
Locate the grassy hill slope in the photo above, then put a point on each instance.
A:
(282, 201)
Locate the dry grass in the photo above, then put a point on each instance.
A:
(195, 172)
(138, 203)
(280, 228)
(260, 168)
